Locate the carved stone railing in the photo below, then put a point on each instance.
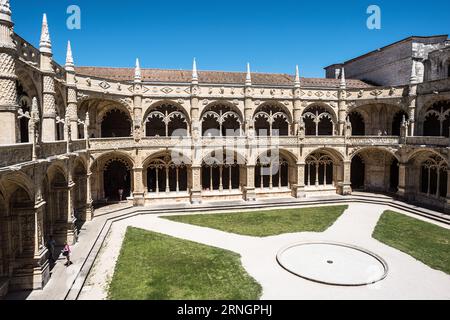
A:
(15, 154)
(50, 149)
(373, 141)
(111, 143)
(323, 140)
(429, 141)
(78, 145)
(22, 153)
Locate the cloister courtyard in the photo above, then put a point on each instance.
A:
(236, 254)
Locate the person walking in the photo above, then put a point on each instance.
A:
(51, 243)
(66, 253)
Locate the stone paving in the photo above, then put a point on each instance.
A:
(407, 277)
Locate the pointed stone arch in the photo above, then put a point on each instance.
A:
(166, 118)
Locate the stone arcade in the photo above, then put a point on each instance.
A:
(71, 137)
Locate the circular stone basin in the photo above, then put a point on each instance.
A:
(333, 263)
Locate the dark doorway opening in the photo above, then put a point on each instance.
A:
(358, 171)
(117, 177)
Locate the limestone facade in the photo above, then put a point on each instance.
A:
(74, 137)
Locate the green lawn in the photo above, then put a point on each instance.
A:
(267, 223)
(152, 266)
(424, 241)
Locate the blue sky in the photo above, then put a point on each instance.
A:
(273, 35)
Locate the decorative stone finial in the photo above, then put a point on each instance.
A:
(343, 83)
(248, 79)
(5, 11)
(69, 58)
(46, 43)
(34, 109)
(413, 79)
(297, 77)
(194, 72)
(137, 72)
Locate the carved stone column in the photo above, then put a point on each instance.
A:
(8, 89)
(48, 85)
(89, 201)
(342, 111)
(195, 112)
(196, 190)
(248, 110)
(249, 190)
(299, 188)
(402, 180)
(41, 270)
(344, 187)
(412, 110)
(71, 94)
(71, 219)
(137, 103)
(138, 193)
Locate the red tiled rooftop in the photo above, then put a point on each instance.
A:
(211, 77)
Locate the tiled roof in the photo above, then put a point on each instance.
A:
(211, 77)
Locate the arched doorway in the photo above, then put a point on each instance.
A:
(116, 123)
(358, 126)
(375, 170)
(358, 173)
(117, 180)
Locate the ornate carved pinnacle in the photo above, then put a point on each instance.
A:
(194, 72)
(69, 58)
(248, 79)
(5, 10)
(45, 43)
(343, 83)
(297, 77)
(137, 72)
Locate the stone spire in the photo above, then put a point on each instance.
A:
(248, 79)
(46, 43)
(297, 77)
(413, 79)
(194, 72)
(137, 72)
(343, 83)
(69, 58)
(5, 11)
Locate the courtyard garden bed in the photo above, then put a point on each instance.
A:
(424, 241)
(267, 223)
(152, 266)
